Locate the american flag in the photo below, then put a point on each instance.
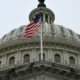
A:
(33, 27)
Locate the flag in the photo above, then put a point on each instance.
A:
(33, 27)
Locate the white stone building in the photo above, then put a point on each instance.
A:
(20, 58)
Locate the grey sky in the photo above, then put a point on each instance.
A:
(14, 13)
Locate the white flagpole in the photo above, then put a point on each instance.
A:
(41, 43)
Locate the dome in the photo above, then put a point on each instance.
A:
(55, 57)
(50, 31)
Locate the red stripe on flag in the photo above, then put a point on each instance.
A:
(29, 33)
(32, 28)
(29, 27)
(31, 23)
(32, 32)
(26, 31)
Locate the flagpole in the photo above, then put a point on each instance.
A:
(41, 43)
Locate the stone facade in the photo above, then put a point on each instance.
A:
(33, 49)
(19, 48)
(20, 58)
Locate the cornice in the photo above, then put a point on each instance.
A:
(42, 72)
(41, 67)
(48, 68)
(36, 45)
(62, 40)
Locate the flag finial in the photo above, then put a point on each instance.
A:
(41, 3)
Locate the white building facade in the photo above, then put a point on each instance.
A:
(20, 58)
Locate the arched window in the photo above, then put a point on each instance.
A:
(43, 57)
(71, 60)
(12, 60)
(26, 58)
(57, 58)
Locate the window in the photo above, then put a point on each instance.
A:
(71, 60)
(42, 18)
(12, 60)
(71, 33)
(62, 31)
(43, 57)
(26, 58)
(57, 58)
(46, 18)
(20, 32)
(50, 20)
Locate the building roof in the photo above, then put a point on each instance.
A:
(49, 30)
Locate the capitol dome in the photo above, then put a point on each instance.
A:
(20, 59)
(50, 31)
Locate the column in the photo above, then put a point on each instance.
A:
(4, 60)
(18, 58)
(78, 63)
(43, 17)
(50, 56)
(65, 57)
(33, 55)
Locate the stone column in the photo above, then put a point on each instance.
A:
(50, 56)
(78, 63)
(43, 18)
(4, 61)
(18, 58)
(33, 55)
(65, 57)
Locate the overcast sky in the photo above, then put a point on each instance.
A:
(15, 13)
